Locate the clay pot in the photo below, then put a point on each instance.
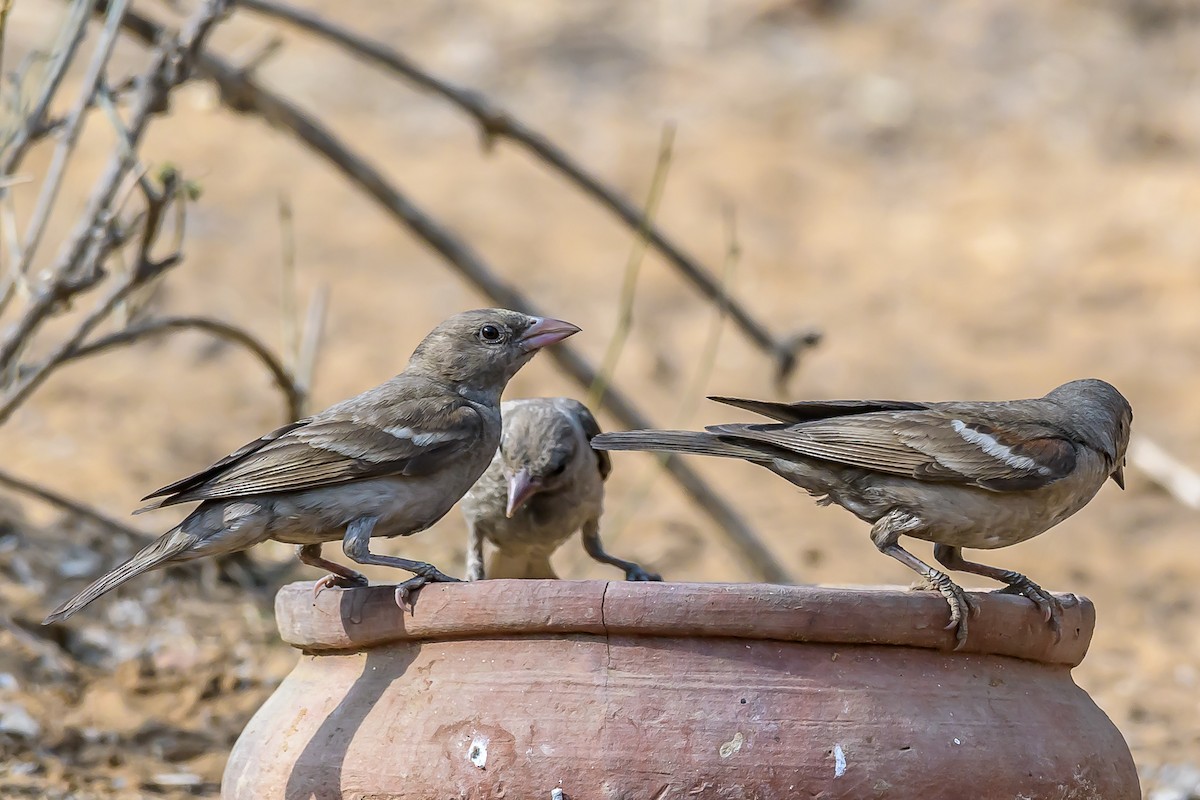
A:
(645, 690)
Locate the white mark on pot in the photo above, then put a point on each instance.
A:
(732, 746)
(556, 794)
(477, 752)
(957, 740)
(839, 761)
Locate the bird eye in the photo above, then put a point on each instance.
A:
(559, 469)
(490, 334)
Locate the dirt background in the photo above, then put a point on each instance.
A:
(979, 200)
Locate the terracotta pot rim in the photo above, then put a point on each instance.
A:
(342, 620)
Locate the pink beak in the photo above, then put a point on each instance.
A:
(521, 487)
(545, 331)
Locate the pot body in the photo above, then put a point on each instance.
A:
(616, 714)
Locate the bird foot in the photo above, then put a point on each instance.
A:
(406, 591)
(636, 573)
(1050, 606)
(962, 605)
(351, 581)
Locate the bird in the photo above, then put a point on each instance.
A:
(389, 462)
(544, 483)
(977, 475)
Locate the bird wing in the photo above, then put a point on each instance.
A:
(930, 444)
(810, 410)
(416, 436)
(591, 429)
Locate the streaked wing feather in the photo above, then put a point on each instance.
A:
(811, 410)
(343, 447)
(926, 445)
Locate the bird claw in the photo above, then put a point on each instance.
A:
(331, 581)
(406, 591)
(1050, 606)
(636, 573)
(962, 606)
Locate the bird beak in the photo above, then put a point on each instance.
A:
(545, 331)
(521, 486)
(1118, 476)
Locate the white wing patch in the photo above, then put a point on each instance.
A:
(420, 439)
(993, 448)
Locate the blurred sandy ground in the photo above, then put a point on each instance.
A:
(975, 200)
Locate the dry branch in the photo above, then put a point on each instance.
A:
(496, 123)
(80, 266)
(293, 393)
(243, 94)
(60, 501)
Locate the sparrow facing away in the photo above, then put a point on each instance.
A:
(959, 474)
(544, 483)
(389, 462)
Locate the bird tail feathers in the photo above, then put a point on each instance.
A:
(678, 442)
(152, 556)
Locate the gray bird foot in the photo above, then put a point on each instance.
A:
(1048, 604)
(962, 605)
(406, 591)
(636, 573)
(331, 581)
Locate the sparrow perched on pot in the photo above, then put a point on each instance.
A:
(389, 462)
(959, 474)
(544, 483)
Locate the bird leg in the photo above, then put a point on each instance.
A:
(356, 545)
(591, 543)
(886, 533)
(475, 570)
(339, 575)
(1016, 583)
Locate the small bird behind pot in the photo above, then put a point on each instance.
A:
(959, 474)
(389, 462)
(544, 483)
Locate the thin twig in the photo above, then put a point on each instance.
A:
(292, 393)
(35, 377)
(497, 123)
(287, 288)
(65, 503)
(633, 265)
(34, 122)
(243, 94)
(70, 136)
(687, 405)
(1175, 477)
(310, 342)
(78, 266)
(5, 7)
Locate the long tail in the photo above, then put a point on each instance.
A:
(678, 442)
(152, 556)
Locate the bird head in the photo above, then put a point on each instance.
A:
(537, 451)
(483, 349)
(1102, 417)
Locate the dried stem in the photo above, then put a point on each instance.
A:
(70, 133)
(496, 123)
(291, 330)
(292, 392)
(34, 124)
(72, 506)
(78, 267)
(687, 406)
(633, 265)
(243, 94)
